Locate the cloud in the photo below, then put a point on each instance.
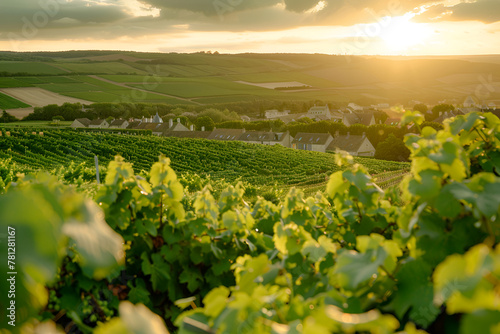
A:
(486, 11)
(111, 19)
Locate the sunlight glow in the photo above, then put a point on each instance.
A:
(401, 34)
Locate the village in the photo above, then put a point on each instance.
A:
(356, 145)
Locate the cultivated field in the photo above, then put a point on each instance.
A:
(105, 76)
(274, 85)
(38, 97)
(8, 102)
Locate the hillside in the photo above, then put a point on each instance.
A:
(256, 164)
(198, 79)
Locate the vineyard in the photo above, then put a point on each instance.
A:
(142, 258)
(256, 164)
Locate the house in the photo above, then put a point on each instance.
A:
(169, 127)
(81, 123)
(147, 126)
(354, 107)
(319, 111)
(359, 118)
(226, 134)
(317, 142)
(393, 122)
(292, 117)
(99, 124)
(119, 124)
(354, 145)
(445, 115)
(469, 102)
(267, 138)
(270, 114)
(157, 119)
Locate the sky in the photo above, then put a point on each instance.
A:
(357, 27)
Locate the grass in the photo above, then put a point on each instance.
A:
(71, 87)
(7, 102)
(99, 68)
(37, 124)
(207, 87)
(13, 83)
(29, 67)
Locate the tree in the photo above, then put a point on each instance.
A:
(440, 108)
(205, 121)
(422, 108)
(7, 118)
(392, 149)
(380, 117)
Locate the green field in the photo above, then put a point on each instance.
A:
(29, 67)
(7, 102)
(99, 68)
(207, 78)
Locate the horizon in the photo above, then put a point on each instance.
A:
(263, 53)
(366, 27)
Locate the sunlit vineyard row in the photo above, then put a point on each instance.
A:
(257, 164)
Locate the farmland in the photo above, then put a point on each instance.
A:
(256, 164)
(207, 78)
(7, 102)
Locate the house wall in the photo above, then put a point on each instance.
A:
(77, 124)
(102, 126)
(366, 149)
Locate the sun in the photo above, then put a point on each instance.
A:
(400, 33)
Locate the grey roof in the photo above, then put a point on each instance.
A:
(359, 118)
(97, 121)
(311, 138)
(133, 125)
(261, 136)
(164, 127)
(226, 134)
(118, 122)
(84, 121)
(392, 121)
(444, 116)
(346, 143)
(147, 126)
(157, 119)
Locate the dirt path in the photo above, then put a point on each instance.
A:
(144, 90)
(20, 113)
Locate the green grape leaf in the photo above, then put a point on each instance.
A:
(158, 269)
(353, 268)
(138, 319)
(100, 248)
(483, 321)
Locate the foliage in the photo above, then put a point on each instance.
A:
(7, 118)
(349, 260)
(437, 110)
(420, 107)
(392, 149)
(204, 122)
